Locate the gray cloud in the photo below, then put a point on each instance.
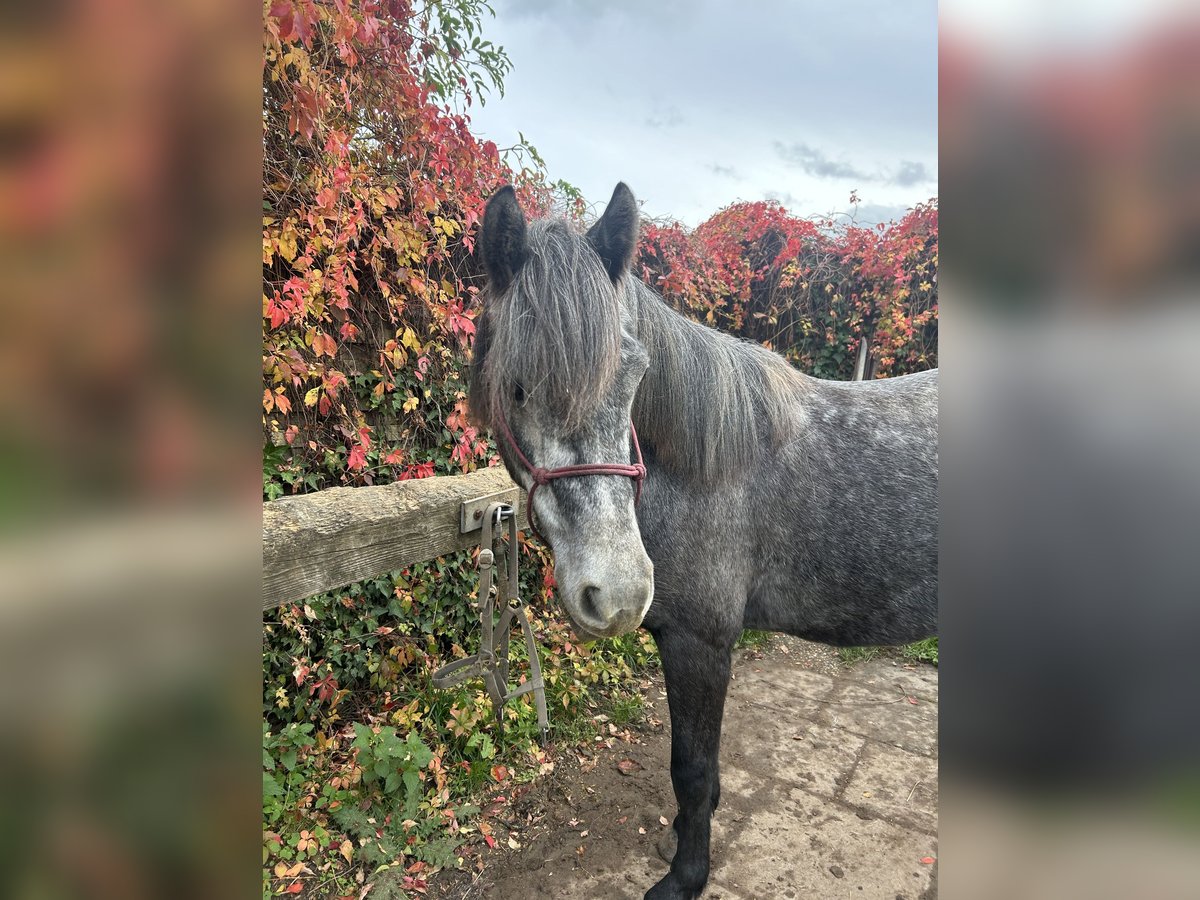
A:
(816, 163)
(726, 171)
(910, 174)
(813, 162)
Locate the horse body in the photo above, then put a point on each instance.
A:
(824, 527)
(771, 499)
(832, 537)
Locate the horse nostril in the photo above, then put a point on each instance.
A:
(589, 601)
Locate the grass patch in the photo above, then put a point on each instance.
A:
(754, 640)
(925, 651)
(627, 709)
(922, 651)
(852, 655)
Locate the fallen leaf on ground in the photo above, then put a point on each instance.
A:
(629, 766)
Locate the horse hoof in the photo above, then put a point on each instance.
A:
(669, 889)
(667, 845)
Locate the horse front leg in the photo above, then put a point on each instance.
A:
(697, 674)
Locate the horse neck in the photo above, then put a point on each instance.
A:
(709, 403)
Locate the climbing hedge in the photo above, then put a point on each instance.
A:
(812, 289)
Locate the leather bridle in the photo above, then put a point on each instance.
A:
(540, 476)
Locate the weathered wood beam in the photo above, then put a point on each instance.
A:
(322, 541)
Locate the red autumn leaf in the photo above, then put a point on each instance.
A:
(324, 688)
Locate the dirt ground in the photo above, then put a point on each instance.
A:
(829, 789)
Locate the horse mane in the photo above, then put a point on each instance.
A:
(710, 403)
(555, 331)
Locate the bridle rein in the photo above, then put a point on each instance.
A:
(540, 476)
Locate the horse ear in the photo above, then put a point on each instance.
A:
(502, 238)
(615, 235)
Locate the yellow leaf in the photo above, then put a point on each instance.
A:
(310, 399)
(347, 849)
(410, 341)
(410, 404)
(287, 242)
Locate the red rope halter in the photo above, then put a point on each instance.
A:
(541, 476)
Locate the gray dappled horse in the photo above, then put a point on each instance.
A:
(766, 498)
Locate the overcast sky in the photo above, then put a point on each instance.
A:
(698, 103)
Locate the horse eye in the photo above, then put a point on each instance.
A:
(519, 395)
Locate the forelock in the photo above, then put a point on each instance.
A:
(556, 330)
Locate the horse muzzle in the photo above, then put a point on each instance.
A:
(600, 609)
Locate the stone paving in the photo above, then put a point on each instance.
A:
(829, 790)
(831, 780)
(829, 786)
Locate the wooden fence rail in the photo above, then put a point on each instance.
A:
(322, 541)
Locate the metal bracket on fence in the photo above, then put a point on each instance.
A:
(470, 512)
(497, 613)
